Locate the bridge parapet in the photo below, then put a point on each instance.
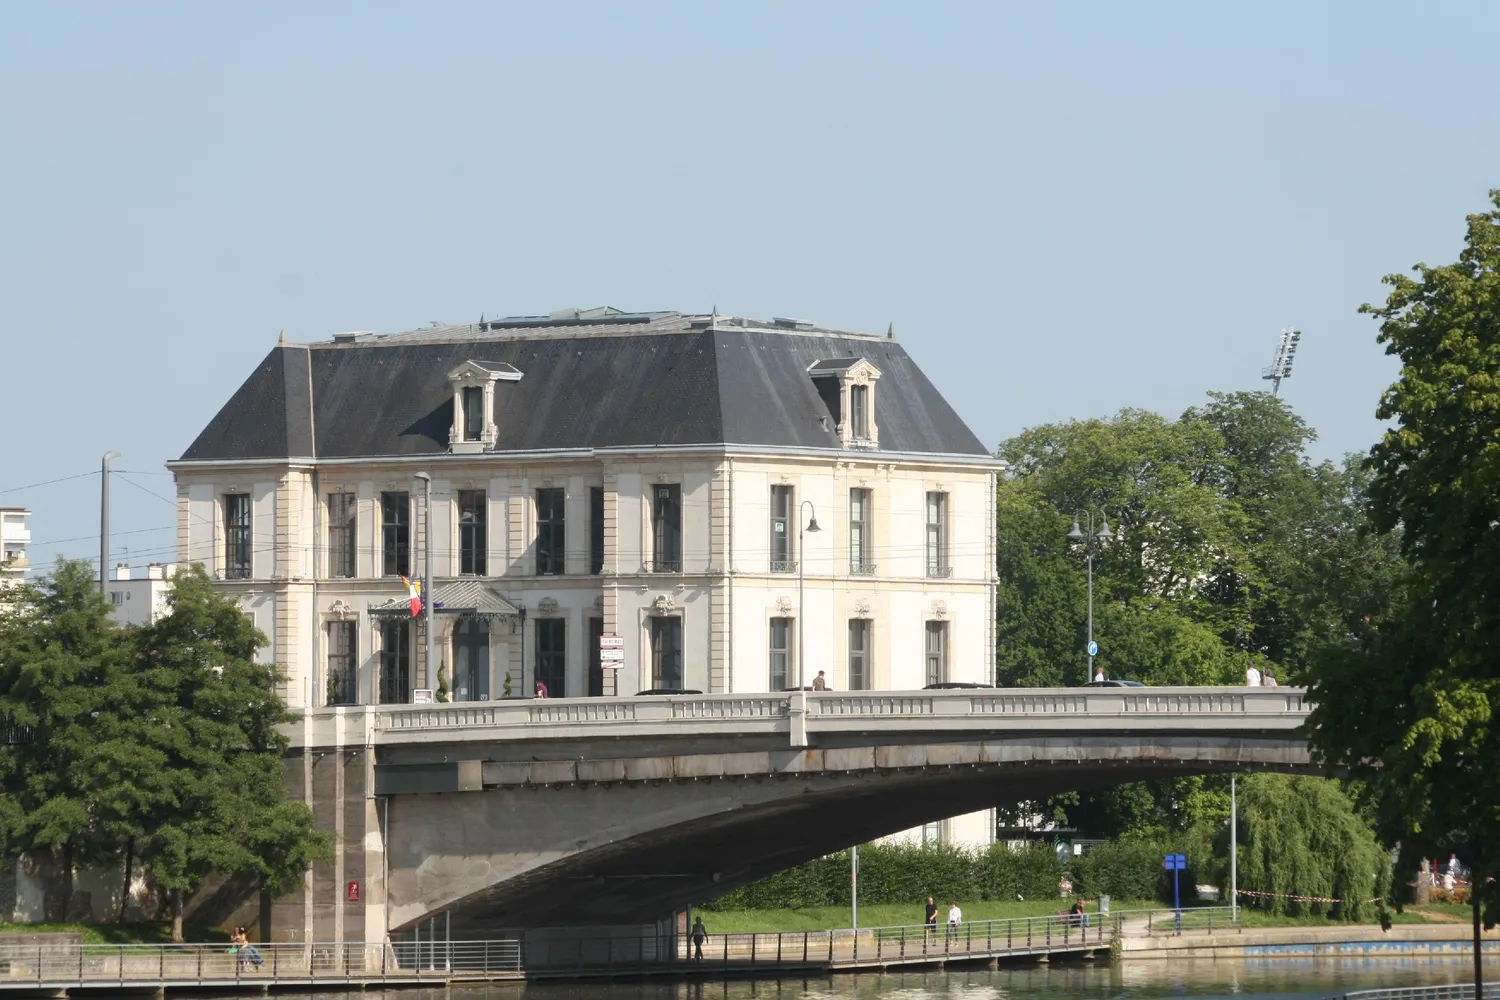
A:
(801, 716)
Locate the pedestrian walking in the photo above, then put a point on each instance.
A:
(1252, 676)
(700, 934)
(820, 683)
(929, 919)
(955, 917)
(1098, 673)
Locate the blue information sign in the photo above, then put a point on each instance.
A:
(1175, 863)
(1093, 648)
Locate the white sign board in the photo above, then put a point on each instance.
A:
(611, 657)
(421, 696)
(610, 641)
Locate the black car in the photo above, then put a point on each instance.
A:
(1114, 684)
(667, 691)
(957, 686)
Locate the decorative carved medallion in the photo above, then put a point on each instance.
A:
(783, 606)
(862, 607)
(341, 611)
(664, 605)
(940, 609)
(663, 477)
(547, 606)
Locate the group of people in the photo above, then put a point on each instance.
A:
(1256, 678)
(955, 916)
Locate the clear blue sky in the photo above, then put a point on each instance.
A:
(1064, 208)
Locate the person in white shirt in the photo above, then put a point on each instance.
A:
(955, 917)
(1098, 673)
(1252, 676)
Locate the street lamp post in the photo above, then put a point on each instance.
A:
(104, 518)
(1092, 541)
(812, 525)
(428, 585)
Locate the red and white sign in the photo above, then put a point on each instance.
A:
(611, 651)
(611, 641)
(422, 696)
(352, 892)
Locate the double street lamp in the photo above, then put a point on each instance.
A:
(1092, 541)
(812, 525)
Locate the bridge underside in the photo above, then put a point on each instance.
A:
(539, 845)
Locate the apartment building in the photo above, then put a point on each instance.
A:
(15, 536)
(139, 598)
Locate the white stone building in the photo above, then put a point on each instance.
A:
(651, 476)
(15, 536)
(139, 599)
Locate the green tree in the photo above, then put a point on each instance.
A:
(212, 802)
(1408, 700)
(60, 664)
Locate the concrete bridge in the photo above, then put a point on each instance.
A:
(618, 811)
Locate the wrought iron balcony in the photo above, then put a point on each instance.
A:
(861, 569)
(783, 565)
(939, 572)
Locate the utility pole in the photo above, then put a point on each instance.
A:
(1234, 853)
(104, 518)
(854, 887)
(428, 585)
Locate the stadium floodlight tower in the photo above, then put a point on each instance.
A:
(1286, 353)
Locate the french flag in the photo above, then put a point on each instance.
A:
(414, 591)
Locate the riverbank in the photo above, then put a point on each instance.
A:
(1434, 940)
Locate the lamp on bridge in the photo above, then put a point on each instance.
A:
(1092, 540)
(812, 525)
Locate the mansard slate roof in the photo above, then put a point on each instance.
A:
(590, 379)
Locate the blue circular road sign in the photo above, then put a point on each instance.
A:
(1093, 648)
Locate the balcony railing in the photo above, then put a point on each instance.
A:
(939, 572)
(783, 565)
(666, 565)
(861, 569)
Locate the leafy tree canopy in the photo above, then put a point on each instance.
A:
(1408, 702)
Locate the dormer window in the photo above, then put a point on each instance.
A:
(847, 386)
(473, 413)
(474, 428)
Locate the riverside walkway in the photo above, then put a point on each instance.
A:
(59, 969)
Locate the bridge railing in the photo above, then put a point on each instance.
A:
(978, 709)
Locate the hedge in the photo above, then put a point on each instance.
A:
(903, 873)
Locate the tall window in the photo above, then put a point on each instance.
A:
(937, 652)
(341, 679)
(596, 530)
(551, 535)
(781, 532)
(859, 654)
(471, 660)
(859, 533)
(666, 528)
(937, 535)
(666, 653)
(236, 536)
(471, 532)
(781, 646)
(341, 534)
(552, 655)
(473, 413)
(395, 533)
(859, 412)
(395, 661)
(932, 833)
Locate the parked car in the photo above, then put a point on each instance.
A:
(667, 691)
(957, 686)
(1114, 684)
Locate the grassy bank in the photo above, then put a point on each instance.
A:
(149, 932)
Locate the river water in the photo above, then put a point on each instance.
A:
(1268, 979)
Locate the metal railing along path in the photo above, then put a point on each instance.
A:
(1447, 991)
(64, 965)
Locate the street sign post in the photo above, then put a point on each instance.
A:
(611, 651)
(1093, 648)
(1175, 863)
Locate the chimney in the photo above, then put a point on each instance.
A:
(156, 571)
(122, 571)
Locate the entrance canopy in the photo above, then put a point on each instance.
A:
(458, 597)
